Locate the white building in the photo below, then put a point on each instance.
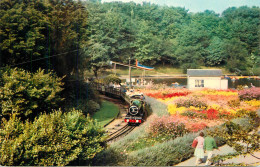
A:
(206, 78)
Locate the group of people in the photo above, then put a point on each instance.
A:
(204, 145)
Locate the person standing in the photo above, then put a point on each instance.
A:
(209, 145)
(142, 97)
(199, 152)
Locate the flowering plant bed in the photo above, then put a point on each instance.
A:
(198, 109)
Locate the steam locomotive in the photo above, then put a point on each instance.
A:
(136, 111)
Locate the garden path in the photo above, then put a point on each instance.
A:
(248, 159)
(225, 149)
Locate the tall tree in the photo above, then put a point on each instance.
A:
(236, 54)
(23, 26)
(68, 33)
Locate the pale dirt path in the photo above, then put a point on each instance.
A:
(225, 149)
(248, 159)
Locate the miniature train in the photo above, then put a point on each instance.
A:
(136, 111)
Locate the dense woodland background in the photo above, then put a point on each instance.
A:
(173, 36)
(53, 42)
(68, 35)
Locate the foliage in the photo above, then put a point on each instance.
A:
(82, 96)
(89, 34)
(244, 139)
(204, 114)
(249, 94)
(37, 30)
(23, 28)
(236, 53)
(112, 79)
(172, 36)
(191, 101)
(164, 154)
(234, 103)
(215, 52)
(51, 139)
(217, 106)
(167, 153)
(167, 126)
(27, 94)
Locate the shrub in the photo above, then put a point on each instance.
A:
(164, 154)
(92, 106)
(234, 103)
(27, 94)
(195, 114)
(168, 126)
(191, 101)
(249, 94)
(195, 126)
(204, 114)
(52, 139)
(112, 78)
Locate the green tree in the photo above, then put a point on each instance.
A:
(23, 26)
(236, 54)
(215, 54)
(96, 57)
(112, 79)
(38, 30)
(245, 24)
(68, 34)
(192, 43)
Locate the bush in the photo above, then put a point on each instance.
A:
(112, 78)
(234, 103)
(164, 154)
(167, 126)
(27, 94)
(191, 101)
(204, 114)
(249, 94)
(52, 139)
(82, 95)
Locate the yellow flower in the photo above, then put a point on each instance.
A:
(215, 92)
(254, 103)
(173, 109)
(215, 106)
(194, 108)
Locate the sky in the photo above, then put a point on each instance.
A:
(200, 5)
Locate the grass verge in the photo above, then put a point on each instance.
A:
(107, 112)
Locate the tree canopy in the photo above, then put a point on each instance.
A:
(158, 35)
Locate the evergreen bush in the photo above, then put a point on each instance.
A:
(28, 94)
(55, 139)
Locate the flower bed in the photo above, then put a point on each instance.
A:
(212, 107)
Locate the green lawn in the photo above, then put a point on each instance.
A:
(107, 112)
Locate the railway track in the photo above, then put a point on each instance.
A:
(118, 128)
(123, 130)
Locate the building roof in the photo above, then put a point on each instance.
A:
(204, 72)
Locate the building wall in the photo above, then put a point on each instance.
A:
(224, 84)
(209, 82)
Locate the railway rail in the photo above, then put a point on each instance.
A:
(118, 127)
(123, 131)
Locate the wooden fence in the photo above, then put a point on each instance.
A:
(110, 91)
